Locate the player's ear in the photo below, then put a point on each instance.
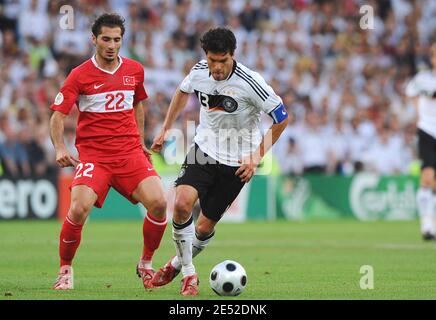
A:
(94, 40)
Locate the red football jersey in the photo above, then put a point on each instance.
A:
(106, 127)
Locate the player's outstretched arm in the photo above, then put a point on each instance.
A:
(63, 156)
(177, 104)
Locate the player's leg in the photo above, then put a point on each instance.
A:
(136, 179)
(425, 196)
(195, 179)
(213, 206)
(89, 187)
(214, 203)
(183, 236)
(151, 194)
(82, 200)
(204, 232)
(426, 203)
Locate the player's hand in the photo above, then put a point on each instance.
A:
(248, 167)
(159, 141)
(65, 159)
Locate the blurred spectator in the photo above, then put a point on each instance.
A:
(343, 84)
(383, 157)
(290, 163)
(13, 155)
(315, 154)
(336, 136)
(32, 143)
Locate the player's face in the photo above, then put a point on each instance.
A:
(108, 43)
(220, 65)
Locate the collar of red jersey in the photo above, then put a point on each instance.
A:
(110, 72)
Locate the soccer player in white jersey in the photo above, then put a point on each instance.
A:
(228, 146)
(422, 89)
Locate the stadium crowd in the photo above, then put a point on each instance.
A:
(343, 85)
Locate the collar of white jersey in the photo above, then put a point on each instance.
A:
(94, 61)
(230, 75)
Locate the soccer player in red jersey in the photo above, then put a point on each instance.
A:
(108, 90)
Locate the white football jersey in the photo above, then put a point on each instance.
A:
(229, 127)
(423, 85)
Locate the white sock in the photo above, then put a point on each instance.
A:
(145, 264)
(183, 235)
(425, 202)
(197, 246)
(433, 214)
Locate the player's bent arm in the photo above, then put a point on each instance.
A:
(63, 157)
(139, 118)
(178, 102)
(57, 129)
(271, 136)
(246, 171)
(280, 118)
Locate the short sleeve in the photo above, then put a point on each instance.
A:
(140, 93)
(263, 96)
(412, 88)
(67, 96)
(186, 85)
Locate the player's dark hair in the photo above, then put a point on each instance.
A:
(110, 20)
(218, 40)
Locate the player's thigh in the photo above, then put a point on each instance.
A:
(150, 193)
(130, 174)
(427, 154)
(219, 199)
(95, 176)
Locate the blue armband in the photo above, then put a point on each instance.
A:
(279, 114)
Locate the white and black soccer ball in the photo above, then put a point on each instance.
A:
(228, 278)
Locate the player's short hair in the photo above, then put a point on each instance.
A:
(111, 20)
(218, 40)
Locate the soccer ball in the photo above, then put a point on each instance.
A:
(228, 278)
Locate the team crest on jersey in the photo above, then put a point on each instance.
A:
(229, 104)
(129, 80)
(59, 99)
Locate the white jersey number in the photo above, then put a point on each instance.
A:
(87, 172)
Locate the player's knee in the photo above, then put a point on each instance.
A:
(158, 208)
(79, 211)
(182, 207)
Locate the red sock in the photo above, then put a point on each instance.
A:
(152, 231)
(69, 241)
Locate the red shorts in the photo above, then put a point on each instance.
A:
(123, 175)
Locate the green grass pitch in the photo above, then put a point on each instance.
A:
(284, 260)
